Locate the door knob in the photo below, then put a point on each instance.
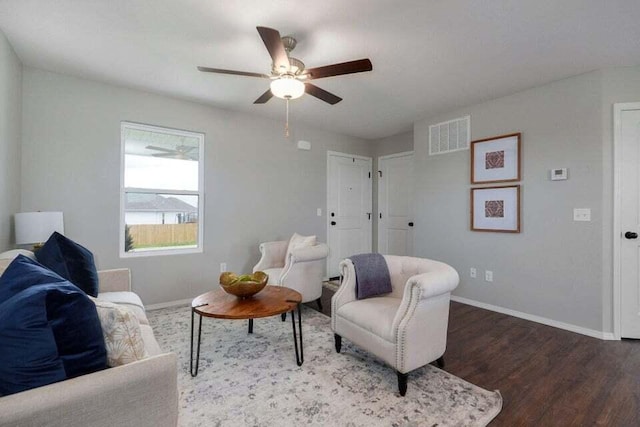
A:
(411, 224)
(333, 223)
(631, 235)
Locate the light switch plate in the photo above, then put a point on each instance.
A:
(319, 211)
(582, 214)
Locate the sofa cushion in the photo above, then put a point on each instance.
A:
(128, 299)
(374, 314)
(49, 332)
(22, 273)
(121, 331)
(151, 346)
(71, 261)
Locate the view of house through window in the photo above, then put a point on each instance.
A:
(162, 190)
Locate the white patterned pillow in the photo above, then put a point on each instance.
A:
(122, 333)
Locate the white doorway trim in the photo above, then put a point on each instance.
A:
(617, 195)
(326, 208)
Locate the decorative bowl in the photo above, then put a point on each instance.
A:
(243, 286)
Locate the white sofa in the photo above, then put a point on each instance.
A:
(406, 328)
(142, 393)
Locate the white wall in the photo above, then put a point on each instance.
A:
(258, 186)
(554, 267)
(10, 116)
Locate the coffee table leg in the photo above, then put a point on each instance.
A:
(193, 374)
(300, 357)
(250, 326)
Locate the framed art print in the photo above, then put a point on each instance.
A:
(495, 159)
(496, 209)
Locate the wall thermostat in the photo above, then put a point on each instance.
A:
(558, 174)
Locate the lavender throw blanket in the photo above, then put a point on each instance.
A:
(372, 275)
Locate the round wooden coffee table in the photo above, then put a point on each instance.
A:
(272, 300)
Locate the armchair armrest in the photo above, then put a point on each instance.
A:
(117, 280)
(441, 280)
(310, 253)
(302, 255)
(273, 254)
(347, 291)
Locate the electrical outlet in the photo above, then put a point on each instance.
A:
(488, 276)
(223, 267)
(473, 273)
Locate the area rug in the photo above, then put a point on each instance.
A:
(253, 380)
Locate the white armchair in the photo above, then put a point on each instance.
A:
(406, 328)
(302, 272)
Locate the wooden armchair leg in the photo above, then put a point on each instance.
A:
(402, 383)
(338, 340)
(319, 302)
(440, 362)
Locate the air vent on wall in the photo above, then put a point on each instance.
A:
(450, 136)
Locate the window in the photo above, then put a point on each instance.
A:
(162, 193)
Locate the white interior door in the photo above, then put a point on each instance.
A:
(348, 208)
(395, 204)
(629, 184)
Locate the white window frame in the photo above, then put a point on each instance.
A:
(200, 193)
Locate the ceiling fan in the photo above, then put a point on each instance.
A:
(289, 77)
(181, 152)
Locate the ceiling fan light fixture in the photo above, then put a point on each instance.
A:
(287, 87)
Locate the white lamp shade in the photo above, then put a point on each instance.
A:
(287, 88)
(36, 227)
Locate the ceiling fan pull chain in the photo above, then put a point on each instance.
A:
(286, 126)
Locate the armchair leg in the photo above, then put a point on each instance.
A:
(440, 362)
(338, 340)
(402, 383)
(319, 302)
(283, 316)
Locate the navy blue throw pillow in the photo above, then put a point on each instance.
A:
(49, 333)
(71, 261)
(22, 273)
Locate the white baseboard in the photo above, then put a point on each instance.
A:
(538, 319)
(168, 304)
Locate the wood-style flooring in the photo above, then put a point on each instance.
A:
(547, 376)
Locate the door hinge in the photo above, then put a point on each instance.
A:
(369, 175)
(380, 215)
(380, 172)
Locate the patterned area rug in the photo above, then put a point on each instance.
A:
(253, 380)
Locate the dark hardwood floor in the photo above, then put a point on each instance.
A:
(547, 376)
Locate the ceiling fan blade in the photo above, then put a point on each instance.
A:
(273, 42)
(350, 67)
(233, 72)
(322, 94)
(264, 97)
(153, 147)
(171, 155)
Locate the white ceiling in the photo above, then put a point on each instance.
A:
(429, 56)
